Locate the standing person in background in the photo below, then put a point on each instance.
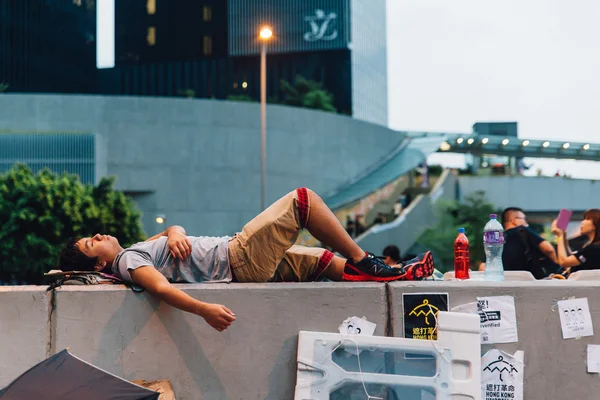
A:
(588, 257)
(359, 227)
(350, 228)
(398, 208)
(380, 219)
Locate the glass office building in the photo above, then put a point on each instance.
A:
(210, 49)
(48, 45)
(200, 48)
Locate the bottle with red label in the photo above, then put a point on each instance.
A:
(462, 261)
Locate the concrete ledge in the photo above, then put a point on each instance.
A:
(135, 337)
(554, 368)
(24, 329)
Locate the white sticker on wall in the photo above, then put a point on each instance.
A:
(498, 318)
(356, 326)
(593, 358)
(575, 318)
(502, 375)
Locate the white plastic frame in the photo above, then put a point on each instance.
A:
(457, 352)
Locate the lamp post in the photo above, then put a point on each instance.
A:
(265, 35)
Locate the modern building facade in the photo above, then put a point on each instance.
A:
(163, 31)
(73, 153)
(210, 49)
(196, 163)
(48, 46)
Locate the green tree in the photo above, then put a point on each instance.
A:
(240, 97)
(39, 212)
(4, 87)
(308, 94)
(472, 215)
(189, 93)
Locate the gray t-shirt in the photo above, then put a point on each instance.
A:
(209, 261)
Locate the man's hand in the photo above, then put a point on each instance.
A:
(218, 316)
(179, 245)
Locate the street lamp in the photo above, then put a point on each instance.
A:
(265, 34)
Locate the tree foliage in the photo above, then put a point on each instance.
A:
(39, 212)
(472, 215)
(308, 94)
(240, 97)
(4, 87)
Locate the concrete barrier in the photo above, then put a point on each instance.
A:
(135, 337)
(24, 329)
(554, 368)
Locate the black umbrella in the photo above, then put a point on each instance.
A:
(66, 377)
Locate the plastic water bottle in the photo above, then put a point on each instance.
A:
(493, 243)
(462, 260)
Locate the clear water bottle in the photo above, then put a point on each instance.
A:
(493, 243)
(462, 263)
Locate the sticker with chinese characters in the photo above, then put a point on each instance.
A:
(502, 375)
(420, 314)
(498, 318)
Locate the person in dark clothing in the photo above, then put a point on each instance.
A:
(578, 242)
(350, 228)
(391, 255)
(380, 219)
(524, 249)
(359, 227)
(588, 257)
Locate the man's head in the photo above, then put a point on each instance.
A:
(392, 255)
(89, 253)
(513, 217)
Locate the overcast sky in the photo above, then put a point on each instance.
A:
(454, 62)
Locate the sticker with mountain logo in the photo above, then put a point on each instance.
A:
(420, 314)
(502, 375)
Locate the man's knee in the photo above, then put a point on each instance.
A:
(312, 195)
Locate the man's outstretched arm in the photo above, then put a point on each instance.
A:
(216, 315)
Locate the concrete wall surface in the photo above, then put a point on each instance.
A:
(554, 368)
(24, 329)
(534, 194)
(134, 337)
(198, 161)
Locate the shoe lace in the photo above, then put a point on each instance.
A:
(377, 261)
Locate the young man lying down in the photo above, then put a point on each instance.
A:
(263, 251)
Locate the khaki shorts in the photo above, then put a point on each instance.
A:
(265, 252)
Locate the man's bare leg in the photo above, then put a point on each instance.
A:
(326, 228)
(335, 269)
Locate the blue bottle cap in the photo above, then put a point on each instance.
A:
(493, 216)
(461, 230)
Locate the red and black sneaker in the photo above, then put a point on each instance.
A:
(419, 267)
(373, 269)
(370, 268)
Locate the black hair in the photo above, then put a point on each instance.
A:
(72, 258)
(393, 252)
(507, 211)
